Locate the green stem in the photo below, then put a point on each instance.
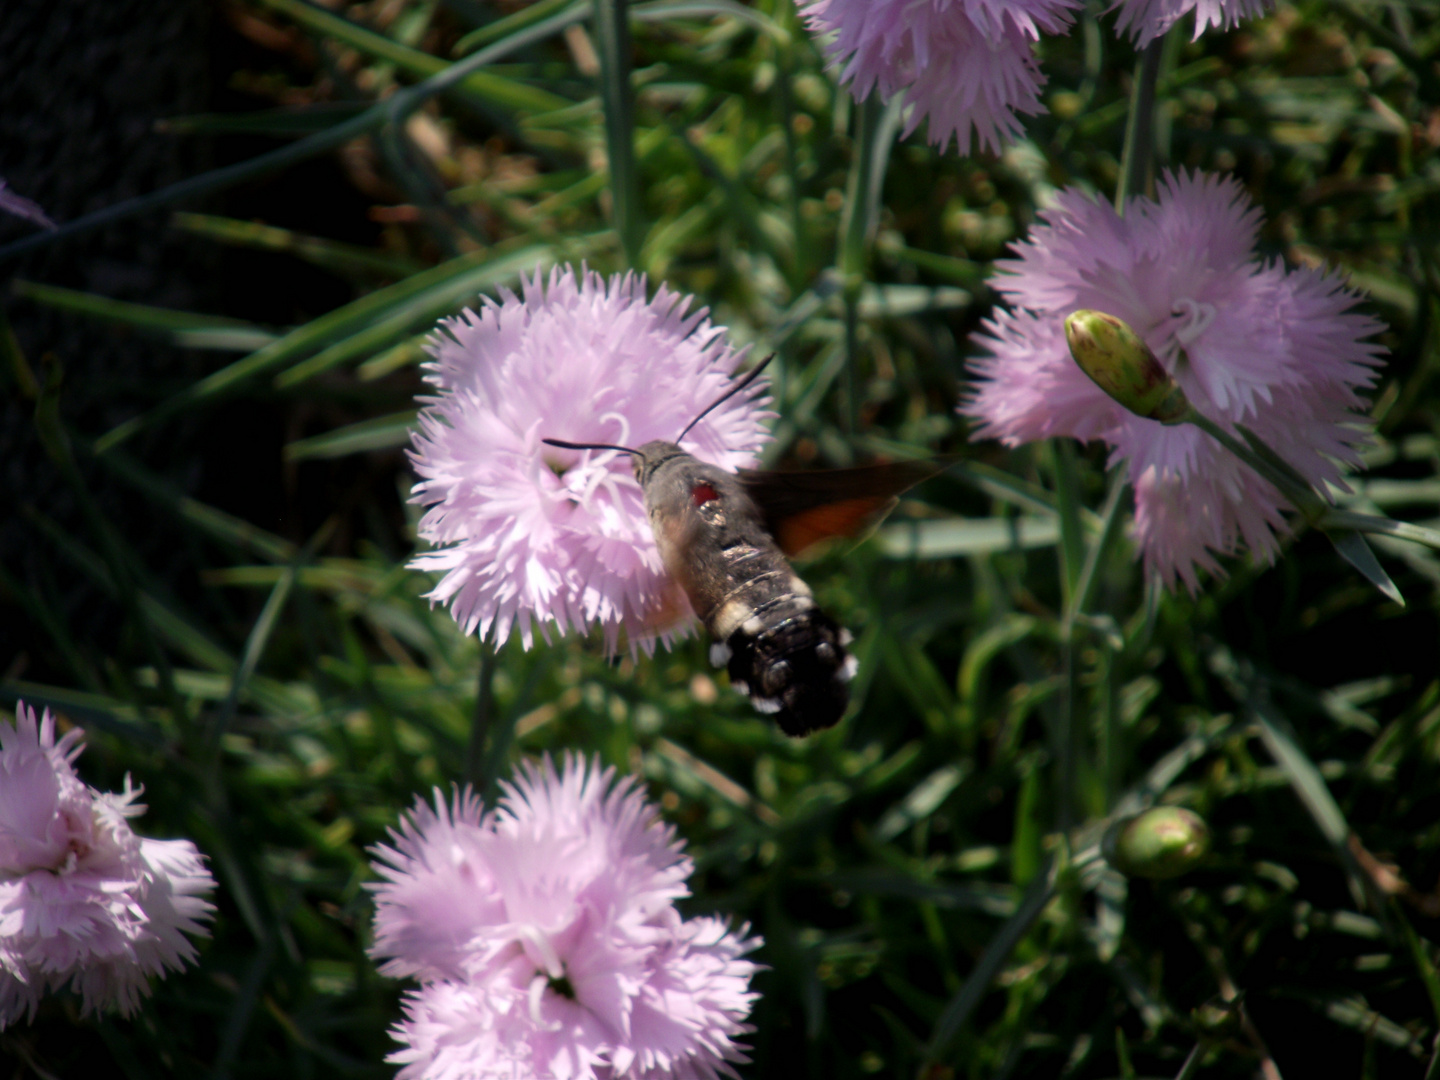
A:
(612, 32)
(856, 229)
(1080, 600)
(1301, 495)
(1072, 560)
(1084, 593)
(1137, 160)
(1067, 503)
(482, 722)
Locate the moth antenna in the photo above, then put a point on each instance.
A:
(741, 385)
(591, 446)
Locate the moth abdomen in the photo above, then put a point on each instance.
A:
(796, 668)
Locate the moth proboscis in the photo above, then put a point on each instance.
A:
(724, 539)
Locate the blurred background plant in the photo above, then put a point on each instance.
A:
(202, 553)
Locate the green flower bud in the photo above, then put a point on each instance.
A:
(1161, 843)
(1121, 364)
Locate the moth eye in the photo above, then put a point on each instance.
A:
(702, 493)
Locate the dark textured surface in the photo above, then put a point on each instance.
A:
(83, 86)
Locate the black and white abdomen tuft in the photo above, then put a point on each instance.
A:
(795, 668)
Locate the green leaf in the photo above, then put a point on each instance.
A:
(381, 433)
(346, 259)
(136, 316)
(439, 297)
(1354, 550)
(958, 1009)
(973, 536)
(485, 86)
(290, 121)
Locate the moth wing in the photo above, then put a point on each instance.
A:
(669, 613)
(802, 509)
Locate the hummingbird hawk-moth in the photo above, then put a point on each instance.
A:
(724, 539)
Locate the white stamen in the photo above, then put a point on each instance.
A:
(537, 992)
(624, 438)
(719, 654)
(1198, 318)
(549, 958)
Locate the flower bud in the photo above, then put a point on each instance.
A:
(1121, 364)
(1161, 843)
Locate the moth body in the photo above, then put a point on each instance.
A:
(776, 643)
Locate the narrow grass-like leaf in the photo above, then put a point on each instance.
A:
(381, 433)
(48, 616)
(958, 1009)
(964, 272)
(298, 342)
(100, 711)
(392, 110)
(1381, 526)
(924, 799)
(1353, 548)
(424, 306)
(219, 525)
(114, 552)
(393, 359)
(510, 24)
(988, 644)
(347, 259)
(1420, 956)
(997, 901)
(705, 774)
(124, 313)
(663, 10)
(221, 339)
(484, 86)
(182, 634)
(898, 301)
(1310, 787)
(973, 536)
(255, 644)
(1192, 1063)
(290, 121)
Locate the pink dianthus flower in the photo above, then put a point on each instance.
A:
(83, 900)
(546, 939)
(1250, 343)
(526, 533)
(1147, 20)
(967, 65)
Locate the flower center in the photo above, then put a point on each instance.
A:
(1195, 318)
(561, 985)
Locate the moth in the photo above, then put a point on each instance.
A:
(724, 539)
